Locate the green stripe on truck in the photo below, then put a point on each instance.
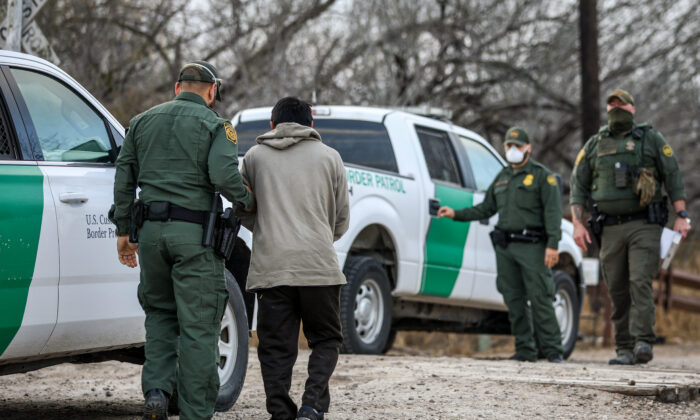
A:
(21, 189)
(444, 247)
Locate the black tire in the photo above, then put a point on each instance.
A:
(368, 283)
(567, 307)
(234, 317)
(390, 340)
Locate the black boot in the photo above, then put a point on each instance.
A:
(156, 405)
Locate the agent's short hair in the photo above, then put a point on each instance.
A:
(293, 110)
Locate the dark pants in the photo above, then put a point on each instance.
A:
(183, 293)
(629, 256)
(280, 309)
(523, 277)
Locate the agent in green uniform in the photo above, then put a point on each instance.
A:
(528, 202)
(622, 169)
(178, 153)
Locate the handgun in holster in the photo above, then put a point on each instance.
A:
(499, 237)
(221, 229)
(227, 228)
(137, 215)
(596, 222)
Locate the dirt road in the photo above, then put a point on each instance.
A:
(394, 386)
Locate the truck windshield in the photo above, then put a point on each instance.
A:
(362, 143)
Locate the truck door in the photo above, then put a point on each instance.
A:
(483, 166)
(28, 240)
(97, 295)
(448, 267)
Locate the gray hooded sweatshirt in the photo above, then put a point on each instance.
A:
(302, 208)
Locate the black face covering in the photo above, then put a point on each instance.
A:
(620, 121)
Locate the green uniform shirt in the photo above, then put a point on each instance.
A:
(656, 153)
(524, 198)
(178, 152)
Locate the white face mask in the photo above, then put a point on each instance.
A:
(515, 155)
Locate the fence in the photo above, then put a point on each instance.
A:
(665, 296)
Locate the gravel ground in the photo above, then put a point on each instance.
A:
(393, 386)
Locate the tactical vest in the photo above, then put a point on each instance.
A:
(616, 171)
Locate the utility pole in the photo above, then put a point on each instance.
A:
(14, 25)
(590, 83)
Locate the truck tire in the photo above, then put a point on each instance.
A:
(233, 350)
(233, 347)
(566, 308)
(365, 307)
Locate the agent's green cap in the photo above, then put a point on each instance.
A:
(517, 136)
(622, 95)
(201, 71)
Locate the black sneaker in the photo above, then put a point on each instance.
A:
(520, 358)
(624, 357)
(156, 405)
(555, 358)
(643, 352)
(308, 413)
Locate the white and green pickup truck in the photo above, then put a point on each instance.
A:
(64, 297)
(406, 269)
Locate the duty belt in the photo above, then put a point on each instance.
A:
(611, 220)
(161, 211)
(503, 237)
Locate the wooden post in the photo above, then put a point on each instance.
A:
(590, 84)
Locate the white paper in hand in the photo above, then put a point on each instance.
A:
(669, 243)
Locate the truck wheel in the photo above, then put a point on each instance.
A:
(233, 347)
(365, 307)
(566, 308)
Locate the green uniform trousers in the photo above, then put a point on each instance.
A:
(629, 256)
(523, 277)
(183, 293)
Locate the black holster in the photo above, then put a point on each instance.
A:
(226, 232)
(137, 215)
(597, 222)
(499, 237)
(220, 229)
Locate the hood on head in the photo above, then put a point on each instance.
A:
(285, 135)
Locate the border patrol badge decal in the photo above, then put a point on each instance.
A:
(580, 156)
(668, 152)
(552, 180)
(629, 146)
(528, 180)
(230, 133)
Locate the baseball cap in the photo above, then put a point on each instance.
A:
(517, 136)
(205, 72)
(622, 95)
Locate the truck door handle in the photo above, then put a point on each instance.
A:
(433, 206)
(73, 197)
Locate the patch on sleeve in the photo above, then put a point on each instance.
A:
(528, 180)
(580, 156)
(668, 152)
(230, 133)
(552, 180)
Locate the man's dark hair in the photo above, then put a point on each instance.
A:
(293, 110)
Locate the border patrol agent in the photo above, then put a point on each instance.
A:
(528, 202)
(178, 153)
(622, 169)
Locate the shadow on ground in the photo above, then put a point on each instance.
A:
(74, 409)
